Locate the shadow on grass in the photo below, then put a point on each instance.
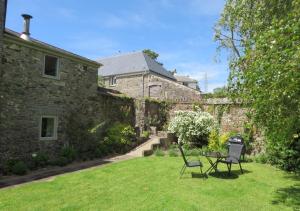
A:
(289, 196)
(224, 174)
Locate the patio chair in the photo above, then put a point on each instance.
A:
(234, 155)
(189, 164)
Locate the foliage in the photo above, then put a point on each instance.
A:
(39, 160)
(19, 168)
(151, 54)
(173, 150)
(159, 152)
(69, 153)
(101, 81)
(216, 141)
(192, 127)
(264, 38)
(120, 135)
(160, 117)
(146, 134)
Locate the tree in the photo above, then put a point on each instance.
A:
(263, 37)
(151, 54)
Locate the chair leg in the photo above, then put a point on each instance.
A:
(241, 168)
(182, 170)
(229, 168)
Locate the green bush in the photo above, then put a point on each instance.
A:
(146, 134)
(261, 158)
(173, 152)
(60, 161)
(119, 136)
(40, 159)
(69, 153)
(159, 152)
(19, 168)
(218, 142)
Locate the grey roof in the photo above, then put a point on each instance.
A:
(48, 46)
(182, 78)
(131, 63)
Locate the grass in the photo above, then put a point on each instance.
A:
(153, 183)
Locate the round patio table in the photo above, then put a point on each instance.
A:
(213, 165)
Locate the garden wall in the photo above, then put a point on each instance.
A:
(230, 116)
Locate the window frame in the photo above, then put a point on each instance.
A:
(113, 80)
(57, 68)
(54, 137)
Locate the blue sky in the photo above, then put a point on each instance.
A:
(181, 31)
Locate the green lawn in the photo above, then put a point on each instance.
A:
(153, 183)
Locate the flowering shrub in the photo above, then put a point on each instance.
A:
(192, 127)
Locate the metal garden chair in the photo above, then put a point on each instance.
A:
(189, 164)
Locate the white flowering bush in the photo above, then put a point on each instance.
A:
(192, 127)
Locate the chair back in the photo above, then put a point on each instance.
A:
(235, 151)
(182, 154)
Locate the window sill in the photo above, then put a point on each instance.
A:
(48, 138)
(51, 77)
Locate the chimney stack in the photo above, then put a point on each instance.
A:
(25, 34)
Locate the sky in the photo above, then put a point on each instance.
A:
(180, 31)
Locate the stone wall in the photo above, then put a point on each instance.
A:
(231, 116)
(154, 86)
(26, 95)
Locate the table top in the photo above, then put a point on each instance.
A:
(214, 155)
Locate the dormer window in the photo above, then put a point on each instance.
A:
(51, 67)
(112, 80)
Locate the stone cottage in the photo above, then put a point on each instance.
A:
(187, 81)
(40, 87)
(139, 76)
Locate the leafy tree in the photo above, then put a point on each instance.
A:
(151, 54)
(263, 37)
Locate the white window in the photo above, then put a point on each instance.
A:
(113, 81)
(48, 128)
(51, 67)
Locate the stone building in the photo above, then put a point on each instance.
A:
(139, 76)
(187, 81)
(40, 87)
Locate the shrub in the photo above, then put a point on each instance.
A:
(159, 152)
(61, 161)
(261, 158)
(192, 127)
(40, 159)
(69, 153)
(146, 134)
(19, 168)
(217, 142)
(173, 152)
(119, 136)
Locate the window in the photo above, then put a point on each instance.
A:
(113, 81)
(48, 128)
(51, 66)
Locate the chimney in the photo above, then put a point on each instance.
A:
(25, 34)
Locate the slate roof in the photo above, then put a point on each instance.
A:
(135, 62)
(48, 46)
(182, 78)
